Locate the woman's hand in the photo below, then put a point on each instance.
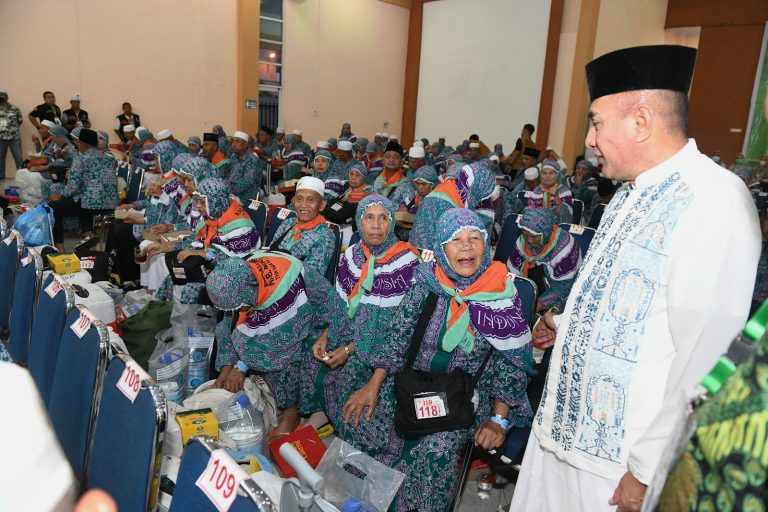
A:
(223, 375)
(318, 349)
(135, 218)
(364, 398)
(155, 248)
(159, 229)
(339, 356)
(154, 190)
(54, 197)
(558, 203)
(126, 206)
(232, 379)
(186, 253)
(545, 332)
(490, 435)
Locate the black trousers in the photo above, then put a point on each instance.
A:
(122, 241)
(68, 207)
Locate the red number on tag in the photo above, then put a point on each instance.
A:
(220, 479)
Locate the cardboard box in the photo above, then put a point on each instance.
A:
(307, 443)
(197, 422)
(404, 217)
(64, 263)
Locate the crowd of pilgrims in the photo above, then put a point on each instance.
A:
(335, 346)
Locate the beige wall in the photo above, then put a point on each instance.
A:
(621, 24)
(343, 61)
(174, 60)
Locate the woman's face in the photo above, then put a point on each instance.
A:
(465, 251)
(548, 177)
(355, 178)
(201, 206)
(102, 143)
(194, 148)
(531, 239)
(187, 183)
(321, 164)
(60, 141)
(581, 171)
(375, 225)
(422, 187)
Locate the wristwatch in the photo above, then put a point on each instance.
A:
(242, 367)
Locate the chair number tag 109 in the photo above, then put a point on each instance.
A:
(54, 288)
(221, 479)
(82, 324)
(130, 381)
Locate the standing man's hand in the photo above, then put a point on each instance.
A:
(629, 495)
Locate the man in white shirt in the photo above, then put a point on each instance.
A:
(664, 287)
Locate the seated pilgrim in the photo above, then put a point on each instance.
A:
(307, 236)
(342, 209)
(546, 254)
(392, 182)
(551, 194)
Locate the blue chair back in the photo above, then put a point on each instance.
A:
(25, 290)
(275, 220)
(529, 294)
(126, 441)
(51, 309)
(10, 253)
(188, 496)
(354, 238)
(597, 216)
(76, 387)
(582, 234)
(124, 171)
(330, 273)
(509, 235)
(258, 213)
(578, 211)
(135, 184)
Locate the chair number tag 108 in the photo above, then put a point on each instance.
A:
(130, 381)
(82, 324)
(221, 479)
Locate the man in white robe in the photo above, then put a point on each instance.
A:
(664, 287)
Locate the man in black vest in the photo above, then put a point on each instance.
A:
(47, 111)
(74, 117)
(126, 118)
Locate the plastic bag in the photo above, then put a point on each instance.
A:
(133, 301)
(35, 225)
(196, 324)
(350, 473)
(169, 365)
(243, 423)
(258, 393)
(30, 186)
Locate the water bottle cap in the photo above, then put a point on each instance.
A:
(351, 505)
(242, 400)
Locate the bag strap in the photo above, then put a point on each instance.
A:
(276, 243)
(479, 372)
(421, 328)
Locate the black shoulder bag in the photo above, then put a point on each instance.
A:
(429, 402)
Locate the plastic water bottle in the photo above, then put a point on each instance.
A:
(200, 345)
(171, 377)
(245, 425)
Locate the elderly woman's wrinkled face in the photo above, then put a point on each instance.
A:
(308, 204)
(548, 177)
(321, 164)
(102, 144)
(581, 171)
(193, 148)
(187, 183)
(422, 187)
(532, 240)
(355, 178)
(465, 251)
(375, 225)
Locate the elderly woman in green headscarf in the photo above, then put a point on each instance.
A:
(276, 317)
(294, 159)
(224, 230)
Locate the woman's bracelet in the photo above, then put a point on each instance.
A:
(501, 421)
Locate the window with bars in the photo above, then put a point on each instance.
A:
(270, 62)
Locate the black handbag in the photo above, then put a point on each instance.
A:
(430, 402)
(194, 269)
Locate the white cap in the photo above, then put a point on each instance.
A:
(49, 124)
(379, 134)
(548, 148)
(163, 134)
(129, 128)
(474, 145)
(311, 183)
(496, 193)
(495, 158)
(74, 97)
(241, 135)
(297, 132)
(280, 129)
(393, 137)
(418, 144)
(385, 135)
(345, 145)
(531, 173)
(5, 91)
(323, 144)
(416, 152)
